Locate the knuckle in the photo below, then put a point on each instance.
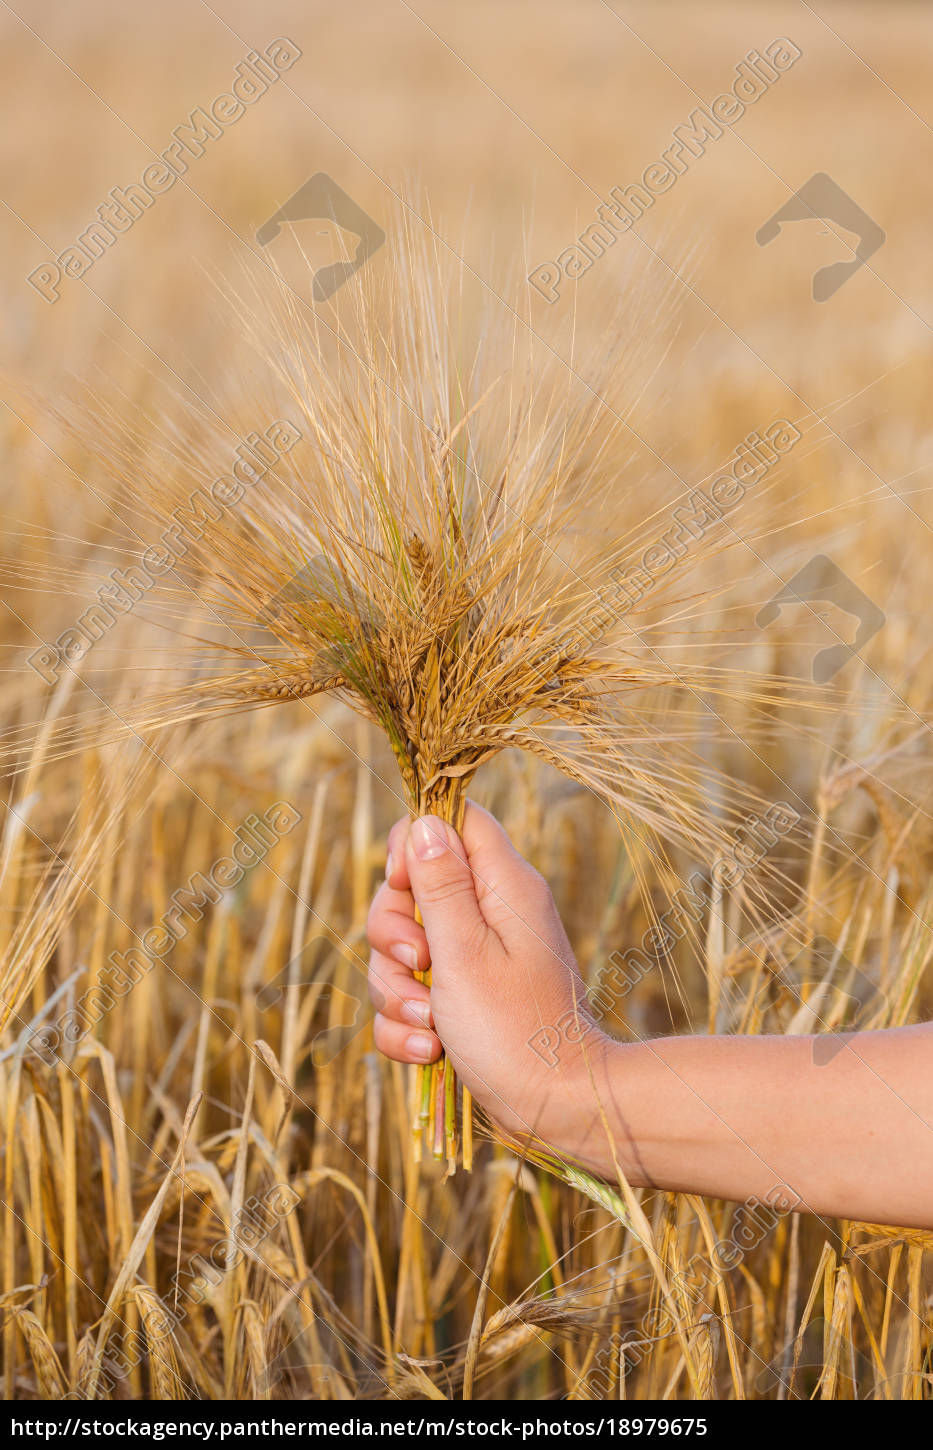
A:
(452, 889)
(474, 942)
(382, 997)
(535, 884)
(433, 885)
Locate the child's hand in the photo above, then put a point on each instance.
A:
(502, 970)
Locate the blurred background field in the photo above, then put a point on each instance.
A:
(501, 126)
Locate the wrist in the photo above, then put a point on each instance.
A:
(592, 1109)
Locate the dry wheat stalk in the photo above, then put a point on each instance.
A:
(435, 550)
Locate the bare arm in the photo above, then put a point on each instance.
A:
(736, 1117)
(847, 1134)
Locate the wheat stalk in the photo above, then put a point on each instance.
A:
(434, 550)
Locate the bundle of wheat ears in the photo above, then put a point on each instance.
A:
(440, 541)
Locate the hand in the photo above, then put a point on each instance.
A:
(503, 974)
(735, 1117)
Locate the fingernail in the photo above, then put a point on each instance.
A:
(418, 1013)
(405, 953)
(428, 838)
(388, 865)
(420, 1046)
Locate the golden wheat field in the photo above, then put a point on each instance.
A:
(530, 315)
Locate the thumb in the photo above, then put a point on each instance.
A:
(443, 887)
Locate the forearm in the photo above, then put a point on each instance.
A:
(841, 1127)
(736, 1117)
